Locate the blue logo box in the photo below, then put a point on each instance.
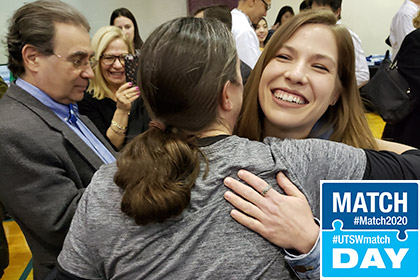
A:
(369, 229)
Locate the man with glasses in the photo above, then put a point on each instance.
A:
(48, 153)
(247, 13)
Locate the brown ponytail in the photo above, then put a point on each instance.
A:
(183, 68)
(157, 172)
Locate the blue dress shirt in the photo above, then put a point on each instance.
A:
(62, 111)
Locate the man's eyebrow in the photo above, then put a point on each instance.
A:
(81, 54)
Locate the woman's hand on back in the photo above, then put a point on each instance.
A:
(284, 219)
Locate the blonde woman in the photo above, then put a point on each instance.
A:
(110, 102)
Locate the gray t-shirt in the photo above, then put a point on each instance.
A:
(204, 242)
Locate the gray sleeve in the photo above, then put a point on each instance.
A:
(76, 257)
(315, 159)
(306, 162)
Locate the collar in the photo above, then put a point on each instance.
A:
(236, 10)
(207, 141)
(61, 110)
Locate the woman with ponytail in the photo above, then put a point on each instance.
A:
(159, 212)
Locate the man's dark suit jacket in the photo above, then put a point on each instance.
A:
(44, 169)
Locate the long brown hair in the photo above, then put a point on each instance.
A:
(346, 117)
(183, 68)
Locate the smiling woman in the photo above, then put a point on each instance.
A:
(110, 100)
(298, 85)
(304, 86)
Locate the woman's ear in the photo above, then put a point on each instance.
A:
(334, 98)
(226, 98)
(30, 57)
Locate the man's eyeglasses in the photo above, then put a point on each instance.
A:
(109, 59)
(79, 63)
(267, 6)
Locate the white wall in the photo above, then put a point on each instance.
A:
(370, 19)
(149, 13)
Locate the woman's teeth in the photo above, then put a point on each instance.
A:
(116, 73)
(281, 95)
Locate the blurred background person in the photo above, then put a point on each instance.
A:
(285, 13)
(125, 20)
(262, 31)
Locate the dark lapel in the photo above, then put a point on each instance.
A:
(51, 119)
